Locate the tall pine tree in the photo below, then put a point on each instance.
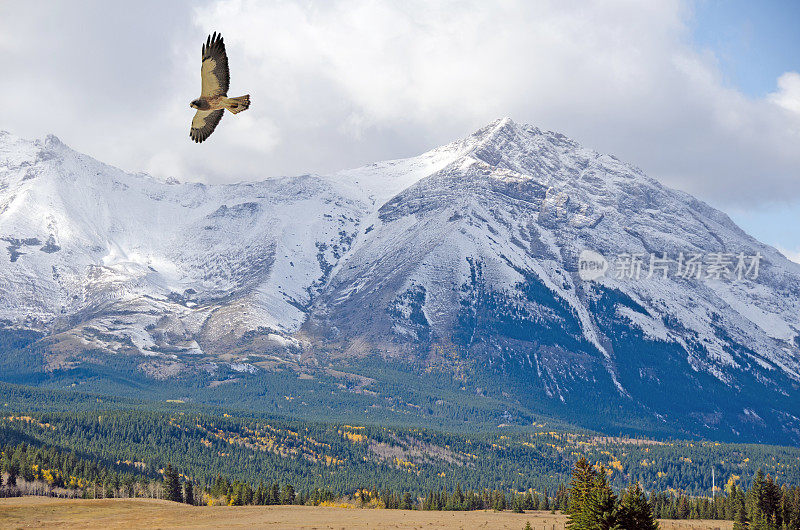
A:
(582, 484)
(592, 504)
(172, 485)
(634, 510)
(740, 521)
(188, 492)
(600, 511)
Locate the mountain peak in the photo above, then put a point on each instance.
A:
(498, 128)
(52, 141)
(506, 135)
(501, 123)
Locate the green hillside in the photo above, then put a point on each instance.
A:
(202, 442)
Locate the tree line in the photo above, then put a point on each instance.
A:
(588, 499)
(593, 505)
(344, 458)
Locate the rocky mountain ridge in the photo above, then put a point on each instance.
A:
(464, 258)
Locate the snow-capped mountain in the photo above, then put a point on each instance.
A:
(466, 257)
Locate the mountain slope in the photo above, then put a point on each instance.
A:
(464, 259)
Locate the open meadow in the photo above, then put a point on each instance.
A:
(45, 512)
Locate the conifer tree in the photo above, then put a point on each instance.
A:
(458, 498)
(13, 472)
(274, 494)
(528, 503)
(635, 511)
(406, 503)
(516, 504)
(582, 484)
(261, 494)
(600, 510)
(759, 521)
(237, 497)
(188, 492)
(108, 489)
(740, 521)
(584, 481)
(755, 495)
(172, 485)
(287, 494)
(794, 517)
(502, 504)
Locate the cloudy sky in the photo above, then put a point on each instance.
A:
(703, 95)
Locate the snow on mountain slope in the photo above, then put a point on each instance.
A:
(467, 253)
(86, 240)
(522, 201)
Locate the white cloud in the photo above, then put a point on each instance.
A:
(388, 79)
(788, 94)
(343, 83)
(792, 255)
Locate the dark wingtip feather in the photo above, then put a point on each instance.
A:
(215, 42)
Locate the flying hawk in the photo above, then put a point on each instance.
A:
(213, 100)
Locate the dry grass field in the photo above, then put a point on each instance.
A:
(43, 512)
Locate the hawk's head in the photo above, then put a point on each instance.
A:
(195, 104)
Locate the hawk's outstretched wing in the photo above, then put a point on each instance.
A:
(214, 72)
(204, 123)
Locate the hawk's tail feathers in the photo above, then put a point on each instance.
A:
(237, 105)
